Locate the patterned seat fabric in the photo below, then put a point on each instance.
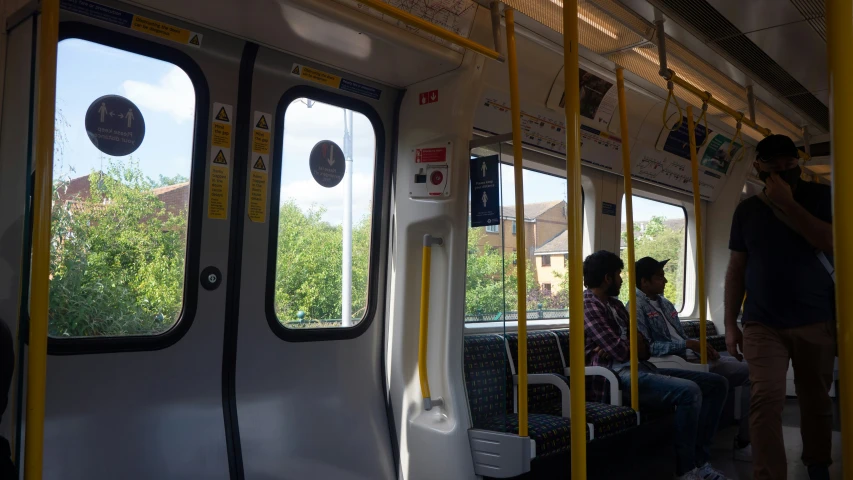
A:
(608, 420)
(691, 328)
(552, 434)
(543, 356)
(487, 378)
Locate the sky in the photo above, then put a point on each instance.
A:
(166, 98)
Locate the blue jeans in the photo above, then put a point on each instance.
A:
(698, 399)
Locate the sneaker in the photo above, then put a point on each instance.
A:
(819, 472)
(741, 451)
(691, 475)
(707, 472)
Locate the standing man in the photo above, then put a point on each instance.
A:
(698, 397)
(657, 319)
(781, 250)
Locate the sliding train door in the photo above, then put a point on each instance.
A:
(310, 387)
(145, 130)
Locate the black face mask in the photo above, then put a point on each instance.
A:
(790, 176)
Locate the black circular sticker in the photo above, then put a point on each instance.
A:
(327, 163)
(115, 125)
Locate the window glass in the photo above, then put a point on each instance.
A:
(119, 219)
(492, 229)
(323, 255)
(660, 232)
(492, 267)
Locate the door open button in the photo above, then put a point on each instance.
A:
(436, 178)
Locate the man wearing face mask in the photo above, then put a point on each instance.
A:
(781, 258)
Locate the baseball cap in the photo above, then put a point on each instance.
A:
(648, 266)
(775, 146)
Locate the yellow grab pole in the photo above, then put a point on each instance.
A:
(629, 216)
(839, 23)
(37, 352)
(423, 335)
(521, 274)
(700, 251)
(439, 32)
(574, 208)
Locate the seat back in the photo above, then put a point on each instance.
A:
(691, 328)
(487, 377)
(543, 356)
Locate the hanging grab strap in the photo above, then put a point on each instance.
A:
(672, 98)
(738, 137)
(705, 116)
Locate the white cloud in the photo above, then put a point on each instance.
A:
(308, 193)
(173, 94)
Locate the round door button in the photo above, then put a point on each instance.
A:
(436, 178)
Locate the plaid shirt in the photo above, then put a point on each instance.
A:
(602, 330)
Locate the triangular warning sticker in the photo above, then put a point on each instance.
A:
(222, 116)
(262, 123)
(259, 165)
(194, 40)
(295, 70)
(220, 158)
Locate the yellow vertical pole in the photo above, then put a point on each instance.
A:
(520, 248)
(37, 358)
(574, 211)
(629, 216)
(839, 23)
(423, 336)
(700, 251)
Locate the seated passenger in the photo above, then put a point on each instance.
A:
(658, 319)
(697, 396)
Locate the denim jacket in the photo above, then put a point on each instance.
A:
(653, 326)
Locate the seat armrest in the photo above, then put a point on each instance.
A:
(612, 380)
(558, 381)
(674, 361)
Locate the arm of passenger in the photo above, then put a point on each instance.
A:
(658, 347)
(597, 327)
(817, 232)
(735, 287)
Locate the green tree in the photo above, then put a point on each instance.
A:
(117, 257)
(660, 242)
(308, 265)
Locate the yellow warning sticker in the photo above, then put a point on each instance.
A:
(262, 122)
(219, 158)
(260, 164)
(221, 135)
(261, 142)
(258, 196)
(134, 22)
(316, 76)
(217, 205)
(223, 112)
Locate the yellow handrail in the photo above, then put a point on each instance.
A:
(706, 97)
(839, 28)
(575, 240)
(700, 255)
(515, 105)
(439, 32)
(629, 217)
(37, 353)
(423, 335)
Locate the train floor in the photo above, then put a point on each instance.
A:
(722, 453)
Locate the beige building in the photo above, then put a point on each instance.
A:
(542, 223)
(551, 261)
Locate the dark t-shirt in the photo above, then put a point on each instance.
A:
(786, 284)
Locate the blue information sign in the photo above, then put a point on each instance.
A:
(115, 125)
(485, 191)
